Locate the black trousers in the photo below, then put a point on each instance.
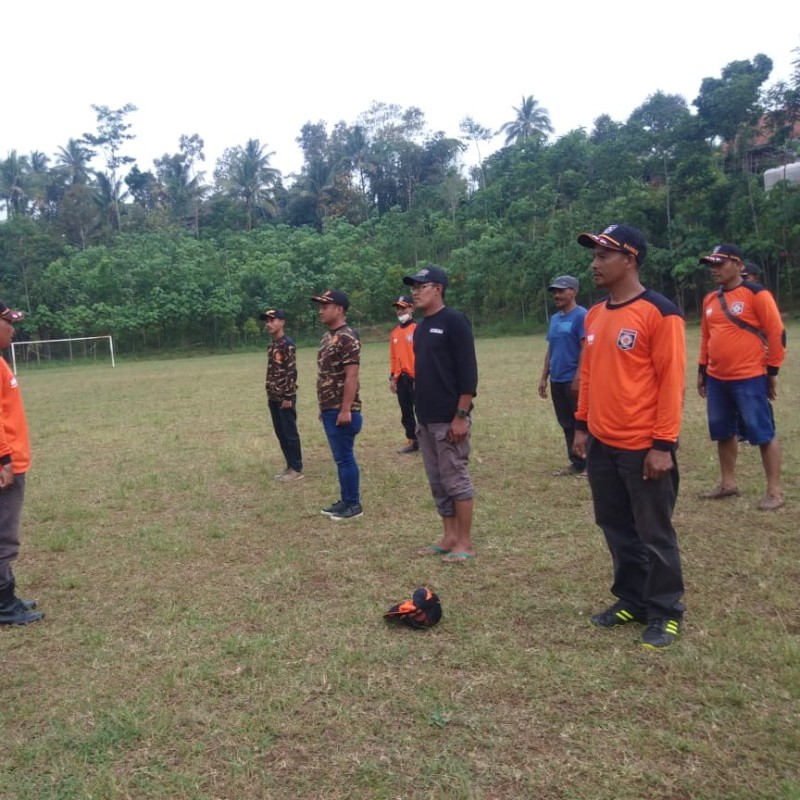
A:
(565, 403)
(284, 421)
(636, 517)
(405, 397)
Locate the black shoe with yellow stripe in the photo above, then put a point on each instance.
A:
(661, 632)
(615, 615)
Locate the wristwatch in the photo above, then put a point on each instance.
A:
(462, 413)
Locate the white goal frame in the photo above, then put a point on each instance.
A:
(53, 341)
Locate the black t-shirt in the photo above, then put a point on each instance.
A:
(445, 365)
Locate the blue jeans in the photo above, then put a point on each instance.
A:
(731, 403)
(341, 440)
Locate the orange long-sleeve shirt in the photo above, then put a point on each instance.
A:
(401, 349)
(730, 353)
(14, 440)
(633, 373)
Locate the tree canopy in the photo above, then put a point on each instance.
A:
(169, 254)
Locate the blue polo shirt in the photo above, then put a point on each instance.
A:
(564, 337)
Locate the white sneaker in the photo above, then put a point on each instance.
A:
(279, 476)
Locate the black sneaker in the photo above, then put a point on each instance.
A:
(660, 633)
(615, 615)
(348, 512)
(336, 508)
(17, 612)
(411, 448)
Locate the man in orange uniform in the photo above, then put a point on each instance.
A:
(742, 346)
(627, 426)
(15, 458)
(401, 365)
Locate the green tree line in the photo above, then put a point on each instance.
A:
(168, 256)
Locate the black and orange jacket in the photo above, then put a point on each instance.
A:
(731, 353)
(14, 441)
(281, 381)
(401, 349)
(633, 373)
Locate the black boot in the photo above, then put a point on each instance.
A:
(14, 611)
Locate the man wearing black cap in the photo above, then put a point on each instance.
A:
(15, 459)
(446, 381)
(281, 385)
(564, 343)
(401, 369)
(751, 272)
(627, 425)
(338, 362)
(742, 347)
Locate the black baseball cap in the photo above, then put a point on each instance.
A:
(9, 315)
(430, 273)
(333, 296)
(273, 313)
(403, 302)
(564, 282)
(624, 238)
(750, 268)
(721, 253)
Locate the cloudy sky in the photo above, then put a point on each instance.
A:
(236, 70)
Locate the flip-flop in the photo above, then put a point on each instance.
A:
(718, 493)
(432, 550)
(457, 558)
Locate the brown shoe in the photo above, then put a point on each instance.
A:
(771, 503)
(719, 493)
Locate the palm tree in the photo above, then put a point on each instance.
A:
(74, 159)
(532, 122)
(14, 174)
(245, 173)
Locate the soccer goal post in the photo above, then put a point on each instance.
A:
(44, 351)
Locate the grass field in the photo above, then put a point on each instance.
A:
(210, 635)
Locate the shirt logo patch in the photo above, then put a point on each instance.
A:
(626, 339)
(278, 356)
(590, 338)
(436, 330)
(737, 308)
(410, 337)
(709, 311)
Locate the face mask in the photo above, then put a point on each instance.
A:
(404, 318)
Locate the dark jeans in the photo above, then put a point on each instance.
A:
(405, 397)
(342, 440)
(636, 518)
(284, 421)
(565, 403)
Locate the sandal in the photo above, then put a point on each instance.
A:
(432, 550)
(718, 493)
(771, 503)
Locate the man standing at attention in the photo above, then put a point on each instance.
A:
(564, 343)
(15, 458)
(401, 365)
(631, 398)
(281, 384)
(742, 346)
(338, 362)
(446, 381)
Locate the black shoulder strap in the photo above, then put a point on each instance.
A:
(739, 322)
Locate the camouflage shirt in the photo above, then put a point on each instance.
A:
(336, 350)
(281, 369)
